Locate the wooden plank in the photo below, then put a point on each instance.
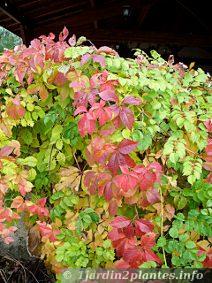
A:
(116, 36)
(10, 12)
(87, 16)
(52, 8)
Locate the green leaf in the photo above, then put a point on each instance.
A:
(26, 136)
(168, 148)
(180, 201)
(56, 131)
(61, 158)
(148, 264)
(161, 242)
(87, 219)
(173, 232)
(32, 174)
(28, 161)
(94, 217)
(59, 144)
(190, 244)
(107, 244)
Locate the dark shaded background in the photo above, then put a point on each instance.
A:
(179, 27)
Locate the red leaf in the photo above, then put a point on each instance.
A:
(134, 256)
(115, 235)
(208, 148)
(127, 146)
(126, 184)
(148, 240)
(43, 92)
(208, 125)
(143, 226)
(147, 180)
(124, 244)
(15, 111)
(207, 263)
(127, 117)
(113, 207)
(131, 100)
(60, 79)
(120, 222)
(87, 124)
(149, 255)
(108, 193)
(103, 114)
(121, 264)
(129, 231)
(117, 159)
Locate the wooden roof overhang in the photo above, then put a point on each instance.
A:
(180, 22)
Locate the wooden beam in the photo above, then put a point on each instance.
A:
(116, 36)
(10, 12)
(9, 9)
(53, 9)
(88, 16)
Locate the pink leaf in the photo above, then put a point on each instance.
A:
(8, 240)
(108, 95)
(85, 58)
(208, 125)
(80, 110)
(99, 59)
(131, 100)
(127, 146)
(72, 40)
(6, 151)
(64, 34)
(87, 124)
(120, 222)
(152, 196)
(107, 50)
(113, 207)
(127, 117)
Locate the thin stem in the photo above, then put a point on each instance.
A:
(76, 162)
(191, 151)
(50, 157)
(161, 224)
(136, 213)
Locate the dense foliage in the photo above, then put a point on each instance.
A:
(106, 159)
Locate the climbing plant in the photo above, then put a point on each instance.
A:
(107, 158)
